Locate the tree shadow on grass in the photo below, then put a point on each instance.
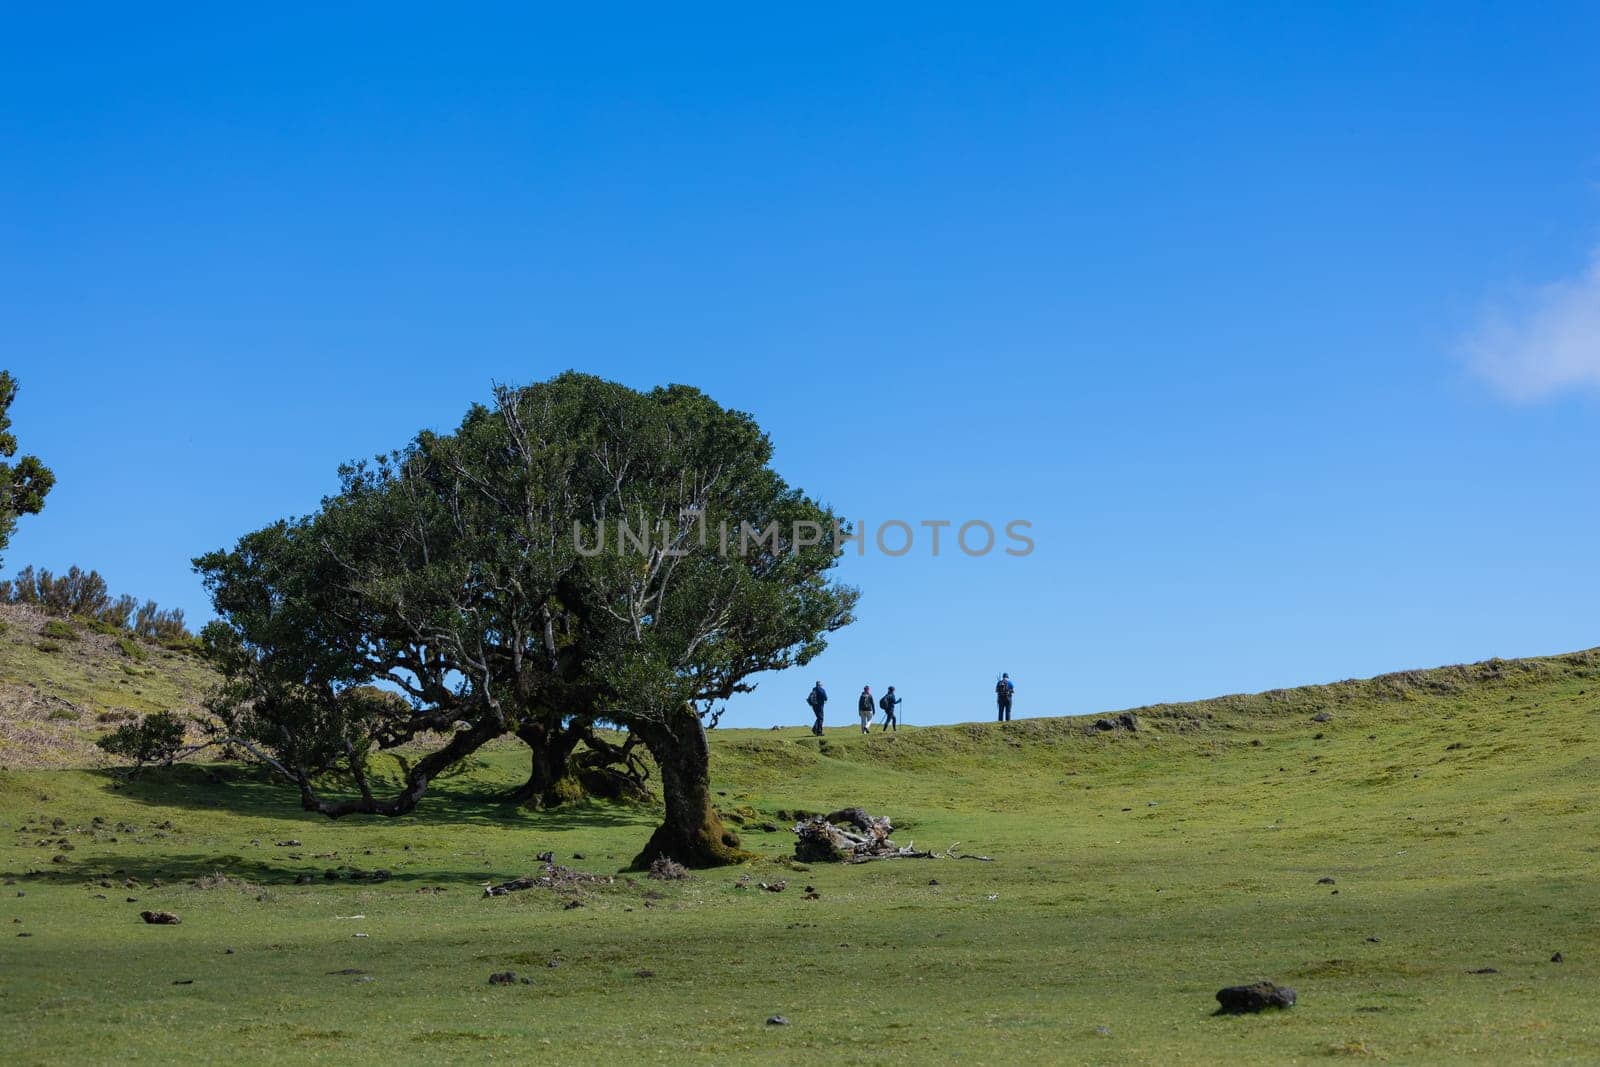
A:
(451, 802)
(347, 867)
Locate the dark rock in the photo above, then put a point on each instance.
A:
(1556, 958)
(777, 1020)
(303, 879)
(1258, 996)
(645, 973)
(160, 918)
(577, 855)
(1325, 881)
(1322, 716)
(502, 978)
(183, 981)
(1484, 970)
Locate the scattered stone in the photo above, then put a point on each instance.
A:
(357, 970)
(291, 843)
(573, 903)
(503, 978)
(1103, 1031)
(303, 879)
(775, 887)
(777, 1020)
(1258, 996)
(577, 855)
(933, 881)
(644, 973)
(1374, 940)
(1556, 958)
(183, 981)
(1484, 970)
(1322, 716)
(1325, 881)
(160, 918)
(227, 952)
(546, 857)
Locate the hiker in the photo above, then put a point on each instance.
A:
(1003, 691)
(887, 703)
(818, 697)
(865, 706)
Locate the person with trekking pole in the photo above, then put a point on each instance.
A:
(887, 702)
(818, 697)
(1003, 692)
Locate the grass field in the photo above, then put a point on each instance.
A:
(1134, 874)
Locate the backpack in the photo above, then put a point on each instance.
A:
(814, 699)
(1003, 688)
(865, 703)
(886, 703)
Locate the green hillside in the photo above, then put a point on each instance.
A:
(62, 684)
(1134, 873)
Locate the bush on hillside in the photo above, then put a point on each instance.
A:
(154, 739)
(58, 630)
(83, 594)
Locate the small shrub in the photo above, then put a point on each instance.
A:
(48, 646)
(130, 648)
(60, 630)
(154, 739)
(63, 715)
(101, 626)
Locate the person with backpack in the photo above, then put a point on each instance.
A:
(818, 697)
(1003, 692)
(887, 703)
(865, 705)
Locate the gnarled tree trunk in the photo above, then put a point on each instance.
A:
(550, 780)
(691, 833)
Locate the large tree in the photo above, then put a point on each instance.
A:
(484, 575)
(24, 483)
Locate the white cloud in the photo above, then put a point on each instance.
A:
(1544, 341)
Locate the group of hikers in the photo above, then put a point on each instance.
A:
(866, 706)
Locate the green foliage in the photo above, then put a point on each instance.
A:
(131, 648)
(154, 739)
(24, 483)
(51, 647)
(60, 630)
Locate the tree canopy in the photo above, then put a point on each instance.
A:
(24, 483)
(558, 561)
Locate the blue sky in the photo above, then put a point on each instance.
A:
(1281, 328)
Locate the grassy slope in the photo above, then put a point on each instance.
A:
(1134, 875)
(54, 703)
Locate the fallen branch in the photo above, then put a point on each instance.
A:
(850, 835)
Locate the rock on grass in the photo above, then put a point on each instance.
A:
(1257, 996)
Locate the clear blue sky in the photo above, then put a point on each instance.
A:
(1273, 323)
